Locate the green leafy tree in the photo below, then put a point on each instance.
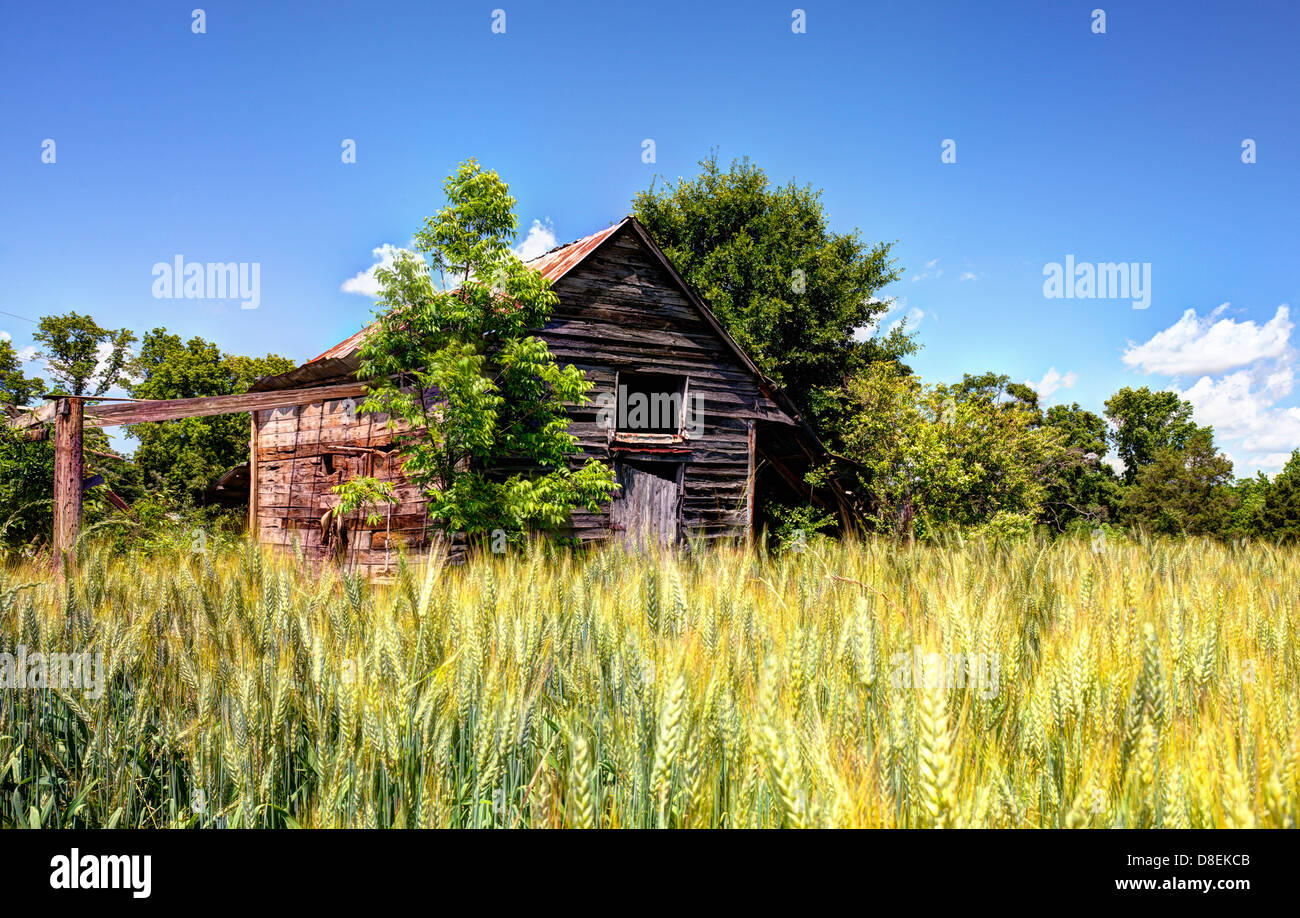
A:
(931, 456)
(478, 401)
(27, 486)
(16, 388)
(26, 489)
(84, 358)
(1183, 491)
(1249, 504)
(995, 389)
(364, 495)
(1145, 423)
(1080, 430)
(1081, 489)
(799, 298)
(1280, 516)
(184, 457)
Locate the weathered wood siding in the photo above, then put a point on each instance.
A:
(302, 452)
(619, 311)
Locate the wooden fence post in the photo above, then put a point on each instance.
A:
(68, 466)
(252, 479)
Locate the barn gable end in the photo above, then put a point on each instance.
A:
(621, 313)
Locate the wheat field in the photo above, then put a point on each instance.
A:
(964, 684)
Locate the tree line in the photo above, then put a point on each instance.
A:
(802, 300)
(804, 303)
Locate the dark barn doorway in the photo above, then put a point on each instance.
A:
(646, 510)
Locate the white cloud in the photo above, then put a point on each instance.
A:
(5, 336)
(970, 274)
(1193, 346)
(1279, 384)
(913, 318)
(365, 282)
(1242, 407)
(930, 271)
(1243, 372)
(539, 241)
(1052, 381)
(1271, 462)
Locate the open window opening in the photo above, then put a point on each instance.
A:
(651, 403)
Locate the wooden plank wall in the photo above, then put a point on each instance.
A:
(618, 311)
(302, 452)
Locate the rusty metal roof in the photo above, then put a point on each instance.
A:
(553, 265)
(560, 260)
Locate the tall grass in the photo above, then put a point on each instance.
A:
(1148, 684)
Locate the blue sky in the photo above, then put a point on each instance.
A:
(1118, 147)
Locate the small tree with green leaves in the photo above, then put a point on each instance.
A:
(1081, 489)
(26, 467)
(1281, 511)
(1147, 423)
(26, 489)
(478, 402)
(364, 494)
(928, 457)
(84, 358)
(16, 387)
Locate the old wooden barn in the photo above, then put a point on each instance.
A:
(625, 317)
(630, 321)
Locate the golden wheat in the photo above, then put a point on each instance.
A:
(969, 683)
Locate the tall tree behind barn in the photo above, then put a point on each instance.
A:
(717, 438)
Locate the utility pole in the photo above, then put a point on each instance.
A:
(69, 423)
